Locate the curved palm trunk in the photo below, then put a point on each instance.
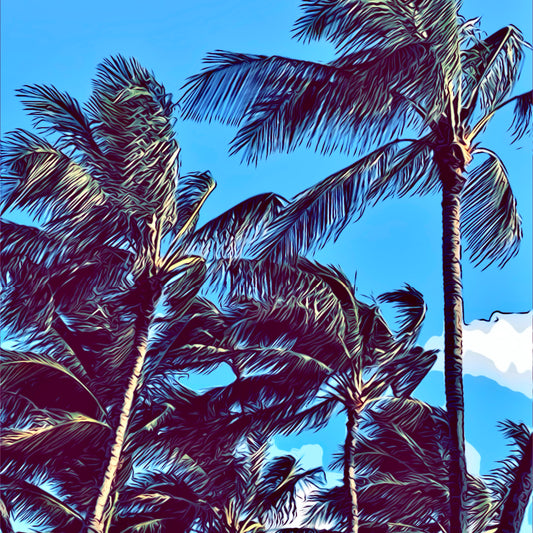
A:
(349, 467)
(97, 522)
(452, 184)
(516, 502)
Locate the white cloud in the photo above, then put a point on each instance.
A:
(473, 459)
(499, 348)
(309, 455)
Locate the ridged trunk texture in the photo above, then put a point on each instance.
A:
(452, 184)
(97, 521)
(349, 467)
(516, 502)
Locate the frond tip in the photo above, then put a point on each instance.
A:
(523, 115)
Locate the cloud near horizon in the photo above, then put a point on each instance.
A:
(498, 348)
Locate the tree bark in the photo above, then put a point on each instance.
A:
(349, 466)
(516, 502)
(97, 521)
(452, 184)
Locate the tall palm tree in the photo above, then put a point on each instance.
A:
(413, 87)
(305, 345)
(115, 244)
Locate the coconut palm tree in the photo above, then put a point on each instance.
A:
(412, 88)
(112, 244)
(401, 457)
(303, 345)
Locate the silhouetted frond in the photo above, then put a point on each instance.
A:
(31, 502)
(48, 383)
(523, 113)
(192, 190)
(322, 211)
(356, 25)
(279, 108)
(411, 311)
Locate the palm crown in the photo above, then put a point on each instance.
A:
(115, 243)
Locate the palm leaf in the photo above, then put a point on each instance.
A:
(324, 210)
(191, 192)
(48, 439)
(279, 108)
(411, 311)
(46, 173)
(523, 113)
(54, 111)
(49, 383)
(133, 121)
(515, 470)
(490, 222)
(354, 25)
(280, 481)
(31, 502)
(232, 233)
(491, 68)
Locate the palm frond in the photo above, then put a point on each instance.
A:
(133, 124)
(490, 222)
(19, 242)
(47, 173)
(282, 478)
(331, 505)
(405, 371)
(511, 482)
(46, 439)
(250, 359)
(523, 113)
(54, 111)
(490, 69)
(49, 383)
(232, 233)
(411, 311)
(324, 210)
(5, 520)
(31, 502)
(279, 108)
(354, 25)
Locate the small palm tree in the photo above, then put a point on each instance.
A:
(401, 457)
(115, 246)
(302, 344)
(413, 67)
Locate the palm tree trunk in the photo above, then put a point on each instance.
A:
(452, 184)
(349, 466)
(97, 521)
(516, 502)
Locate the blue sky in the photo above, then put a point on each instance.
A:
(60, 42)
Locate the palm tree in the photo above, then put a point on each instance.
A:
(401, 458)
(413, 87)
(115, 244)
(304, 345)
